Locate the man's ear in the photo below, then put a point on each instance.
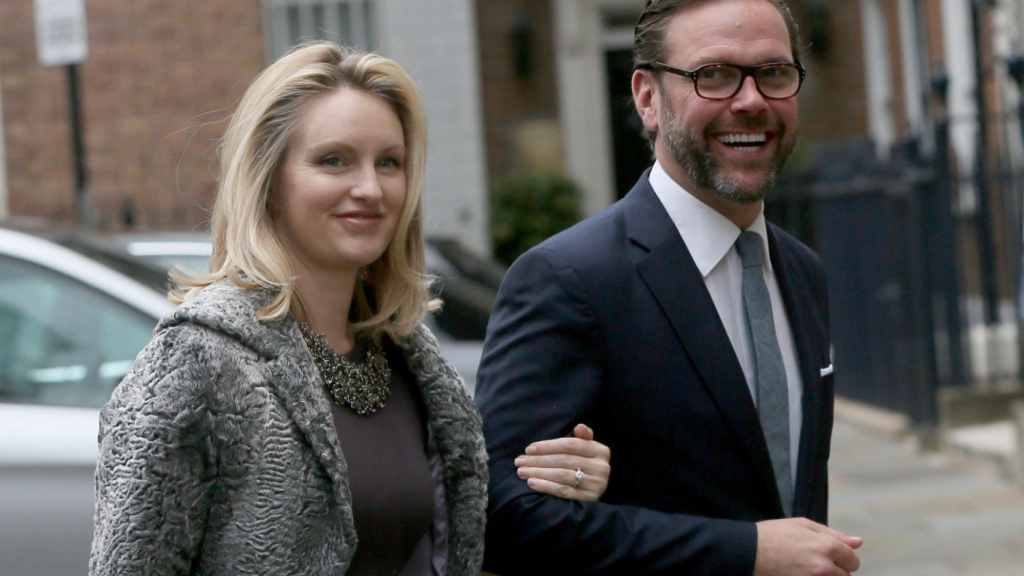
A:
(646, 98)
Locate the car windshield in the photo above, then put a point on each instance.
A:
(144, 272)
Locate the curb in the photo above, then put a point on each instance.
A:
(999, 444)
(888, 423)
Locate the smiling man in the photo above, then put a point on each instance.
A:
(689, 333)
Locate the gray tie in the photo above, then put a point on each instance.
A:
(772, 391)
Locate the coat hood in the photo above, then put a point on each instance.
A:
(231, 309)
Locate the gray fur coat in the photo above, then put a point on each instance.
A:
(218, 453)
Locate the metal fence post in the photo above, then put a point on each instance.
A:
(1015, 69)
(942, 229)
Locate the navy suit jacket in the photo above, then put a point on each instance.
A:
(610, 324)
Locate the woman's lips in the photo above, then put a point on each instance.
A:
(360, 219)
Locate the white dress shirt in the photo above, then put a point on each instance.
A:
(710, 238)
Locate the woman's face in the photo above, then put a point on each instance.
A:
(342, 186)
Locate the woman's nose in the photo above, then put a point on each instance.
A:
(367, 185)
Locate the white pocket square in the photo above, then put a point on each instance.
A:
(827, 370)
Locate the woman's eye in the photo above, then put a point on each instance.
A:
(390, 163)
(332, 161)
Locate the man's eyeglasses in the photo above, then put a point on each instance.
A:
(776, 81)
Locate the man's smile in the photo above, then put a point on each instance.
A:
(743, 141)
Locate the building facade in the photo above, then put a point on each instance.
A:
(511, 86)
(162, 78)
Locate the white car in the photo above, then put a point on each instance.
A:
(70, 329)
(74, 313)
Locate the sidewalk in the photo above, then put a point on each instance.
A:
(922, 513)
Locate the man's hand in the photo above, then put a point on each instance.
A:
(800, 547)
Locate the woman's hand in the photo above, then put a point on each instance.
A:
(553, 466)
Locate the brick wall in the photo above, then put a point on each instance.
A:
(159, 81)
(37, 140)
(833, 101)
(510, 103)
(933, 30)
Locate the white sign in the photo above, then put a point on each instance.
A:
(61, 36)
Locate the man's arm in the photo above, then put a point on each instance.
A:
(542, 373)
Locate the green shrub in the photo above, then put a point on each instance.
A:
(528, 208)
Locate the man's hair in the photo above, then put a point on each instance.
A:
(649, 35)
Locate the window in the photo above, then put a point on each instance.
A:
(348, 22)
(63, 343)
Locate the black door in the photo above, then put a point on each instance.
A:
(631, 155)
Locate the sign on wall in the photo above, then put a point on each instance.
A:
(61, 36)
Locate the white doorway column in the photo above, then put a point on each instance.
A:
(583, 101)
(915, 73)
(436, 42)
(958, 38)
(878, 75)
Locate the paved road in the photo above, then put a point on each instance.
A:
(923, 514)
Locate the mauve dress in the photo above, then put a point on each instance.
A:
(394, 474)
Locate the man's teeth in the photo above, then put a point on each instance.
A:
(752, 141)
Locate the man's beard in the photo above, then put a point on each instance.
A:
(690, 150)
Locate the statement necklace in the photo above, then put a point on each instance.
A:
(362, 387)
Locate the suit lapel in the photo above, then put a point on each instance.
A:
(796, 301)
(673, 279)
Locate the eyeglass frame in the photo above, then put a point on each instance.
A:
(745, 71)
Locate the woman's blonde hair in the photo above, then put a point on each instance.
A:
(392, 294)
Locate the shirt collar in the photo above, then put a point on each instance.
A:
(707, 234)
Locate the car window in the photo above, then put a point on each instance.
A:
(63, 343)
(199, 264)
(138, 269)
(468, 264)
(465, 309)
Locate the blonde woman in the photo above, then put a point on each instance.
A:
(293, 415)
